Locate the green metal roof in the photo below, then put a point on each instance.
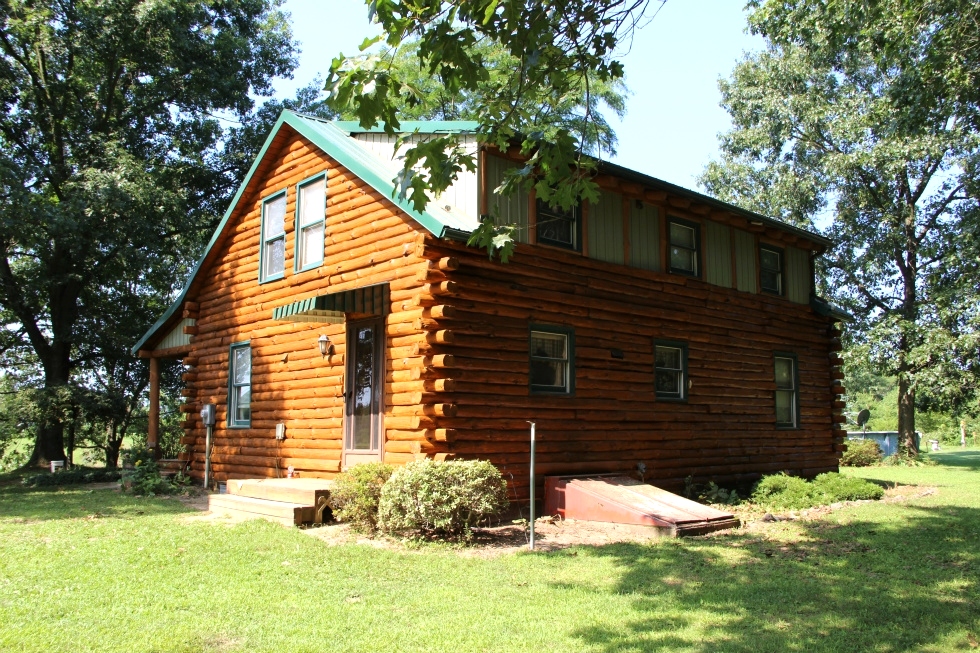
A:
(410, 126)
(368, 300)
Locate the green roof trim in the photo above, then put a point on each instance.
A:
(413, 126)
(823, 307)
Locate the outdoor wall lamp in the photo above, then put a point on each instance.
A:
(324, 343)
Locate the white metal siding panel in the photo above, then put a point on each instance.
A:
(746, 255)
(506, 209)
(176, 337)
(797, 275)
(718, 254)
(462, 195)
(644, 237)
(606, 228)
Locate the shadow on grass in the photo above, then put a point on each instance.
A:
(79, 501)
(859, 586)
(969, 459)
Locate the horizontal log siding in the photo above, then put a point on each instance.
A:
(367, 241)
(726, 430)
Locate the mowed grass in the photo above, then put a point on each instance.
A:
(92, 570)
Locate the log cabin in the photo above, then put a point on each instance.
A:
(656, 329)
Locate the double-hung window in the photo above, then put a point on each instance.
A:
(558, 227)
(552, 357)
(685, 247)
(240, 385)
(311, 198)
(273, 254)
(787, 391)
(670, 361)
(771, 269)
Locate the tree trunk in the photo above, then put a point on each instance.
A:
(906, 415)
(50, 442)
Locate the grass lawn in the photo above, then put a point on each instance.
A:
(91, 570)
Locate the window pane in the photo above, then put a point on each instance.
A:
(669, 383)
(557, 229)
(275, 257)
(668, 357)
(275, 218)
(243, 399)
(364, 397)
(785, 379)
(243, 365)
(311, 241)
(311, 202)
(682, 259)
(770, 280)
(681, 235)
(785, 407)
(769, 260)
(550, 374)
(548, 345)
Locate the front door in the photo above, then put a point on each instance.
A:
(363, 395)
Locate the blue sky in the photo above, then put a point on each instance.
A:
(672, 69)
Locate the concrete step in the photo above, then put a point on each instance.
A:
(249, 507)
(305, 491)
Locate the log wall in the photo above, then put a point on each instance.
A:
(724, 431)
(367, 241)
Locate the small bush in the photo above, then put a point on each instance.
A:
(861, 453)
(355, 495)
(71, 477)
(143, 474)
(792, 493)
(442, 498)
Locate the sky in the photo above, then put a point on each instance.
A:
(673, 120)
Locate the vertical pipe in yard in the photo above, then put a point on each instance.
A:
(531, 542)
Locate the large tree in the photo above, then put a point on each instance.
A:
(109, 160)
(865, 113)
(560, 59)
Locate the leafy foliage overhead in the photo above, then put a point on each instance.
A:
(866, 114)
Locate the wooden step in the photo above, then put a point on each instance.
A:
(251, 508)
(304, 491)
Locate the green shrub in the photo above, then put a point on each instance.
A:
(71, 477)
(861, 453)
(791, 493)
(355, 495)
(832, 487)
(142, 475)
(442, 498)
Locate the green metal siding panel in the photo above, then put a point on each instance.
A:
(506, 209)
(718, 254)
(745, 260)
(645, 237)
(797, 275)
(606, 228)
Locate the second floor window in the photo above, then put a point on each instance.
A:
(310, 215)
(273, 238)
(558, 227)
(771, 269)
(685, 247)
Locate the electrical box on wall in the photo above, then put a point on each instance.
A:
(207, 414)
(280, 431)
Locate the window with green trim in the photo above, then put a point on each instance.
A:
(240, 385)
(558, 227)
(311, 208)
(273, 255)
(670, 373)
(552, 357)
(685, 246)
(771, 269)
(787, 391)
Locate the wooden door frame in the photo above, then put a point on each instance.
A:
(379, 384)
